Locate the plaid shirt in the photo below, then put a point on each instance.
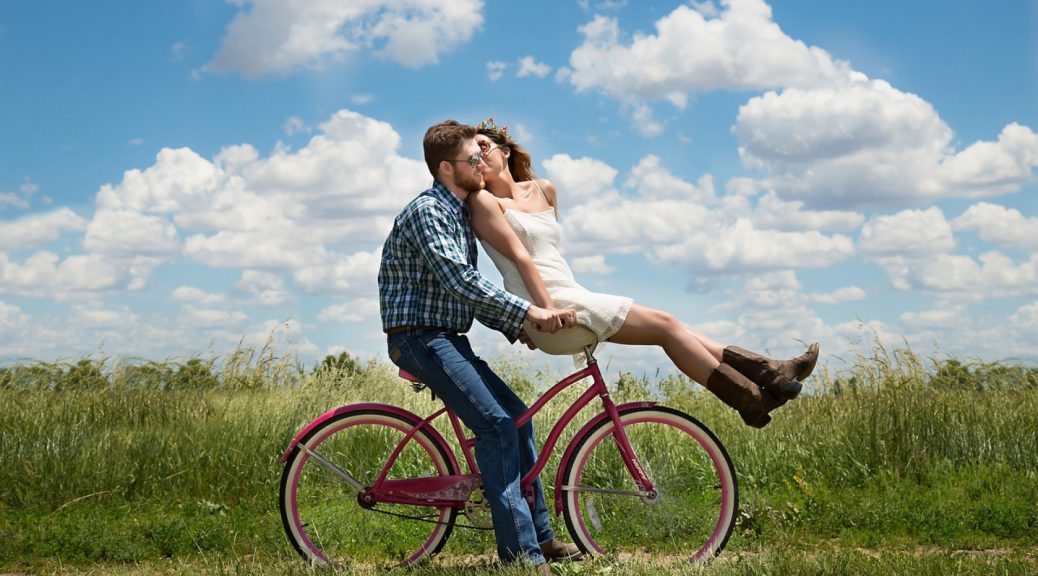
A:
(428, 273)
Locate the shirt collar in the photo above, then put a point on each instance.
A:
(441, 192)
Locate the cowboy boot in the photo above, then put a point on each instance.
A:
(779, 377)
(798, 368)
(747, 398)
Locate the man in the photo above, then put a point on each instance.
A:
(429, 293)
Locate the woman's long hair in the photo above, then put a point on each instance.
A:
(519, 162)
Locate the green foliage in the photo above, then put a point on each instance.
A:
(133, 461)
(342, 365)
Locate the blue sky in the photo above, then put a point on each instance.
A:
(180, 177)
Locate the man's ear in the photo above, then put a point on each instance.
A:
(448, 171)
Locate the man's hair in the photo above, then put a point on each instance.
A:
(443, 141)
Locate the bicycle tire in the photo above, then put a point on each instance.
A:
(320, 512)
(698, 491)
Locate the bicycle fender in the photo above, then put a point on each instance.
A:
(621, 409)
(366, 406)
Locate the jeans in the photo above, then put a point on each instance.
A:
(445, 362)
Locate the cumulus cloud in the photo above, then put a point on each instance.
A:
(192, 295)
(864, 143)
(12, 318)
(292, 211)
(772, 212)
(44, 275)
(274, 36)
(530, 67)
(841, 295)
(354, 311)
(915, 233)
(496, 70)
(652, 180)
(742, 49)
(1004, 227)
(36, 230)
(673, 223)
(592, 265)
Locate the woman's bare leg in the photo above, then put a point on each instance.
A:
(715, 348)
(650, 327)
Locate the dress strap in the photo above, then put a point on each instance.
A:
(543, 195)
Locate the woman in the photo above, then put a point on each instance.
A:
(516, 218)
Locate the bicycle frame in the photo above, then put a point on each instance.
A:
(439, 491)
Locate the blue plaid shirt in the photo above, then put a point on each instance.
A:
(428, 273)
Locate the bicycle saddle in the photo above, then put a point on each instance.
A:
(563, 342)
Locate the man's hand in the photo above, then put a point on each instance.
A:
(551, 321)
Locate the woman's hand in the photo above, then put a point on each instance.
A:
(551, 320)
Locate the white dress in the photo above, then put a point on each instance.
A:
(540, 233)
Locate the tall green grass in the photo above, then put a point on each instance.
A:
(106, 461)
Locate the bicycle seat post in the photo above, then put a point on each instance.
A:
(589, 354)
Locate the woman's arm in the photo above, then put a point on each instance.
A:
(490, 225)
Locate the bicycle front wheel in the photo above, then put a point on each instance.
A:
(694, 510)
(321, 513)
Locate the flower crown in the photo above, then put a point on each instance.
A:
(488, 124)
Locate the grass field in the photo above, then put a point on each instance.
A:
(900, 465)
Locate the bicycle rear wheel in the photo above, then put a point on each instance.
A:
(697, 501)
(320, 510)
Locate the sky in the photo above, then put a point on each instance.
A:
(180, 178)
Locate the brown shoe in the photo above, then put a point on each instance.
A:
(766, 372)
(746, 397)
(556, 549)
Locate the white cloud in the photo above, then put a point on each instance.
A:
(129, 233)
(12, 319)
(12, 199)
(268, 288)
(667, 221)
(28, 188)
(863, 142)
(592, 265)
(991, 275)
(496, 70)
(654, 181)
(743, 49)
(192, 295)
(349, 274)
(771, 212)
(41, 275)
(939, 319)
(581, 179)
(910, 233)
(1003, 227)
(36, 230)
(294, 125)
(991, 168)
(93, 317)
(220, 318)
(273, 36)
(530, 67)
(282, 212)
(841, 295)
(354, 311)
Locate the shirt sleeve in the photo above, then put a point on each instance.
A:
(440, 241)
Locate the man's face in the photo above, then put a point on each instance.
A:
(466, 176)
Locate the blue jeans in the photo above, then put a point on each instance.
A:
(445, 362)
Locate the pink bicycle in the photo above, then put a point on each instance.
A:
(378, 482)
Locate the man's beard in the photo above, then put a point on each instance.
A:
(470, 185)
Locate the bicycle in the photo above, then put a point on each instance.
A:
(663, 484)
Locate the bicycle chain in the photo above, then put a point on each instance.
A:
(425, 519)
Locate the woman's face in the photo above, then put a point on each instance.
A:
(495, 156)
